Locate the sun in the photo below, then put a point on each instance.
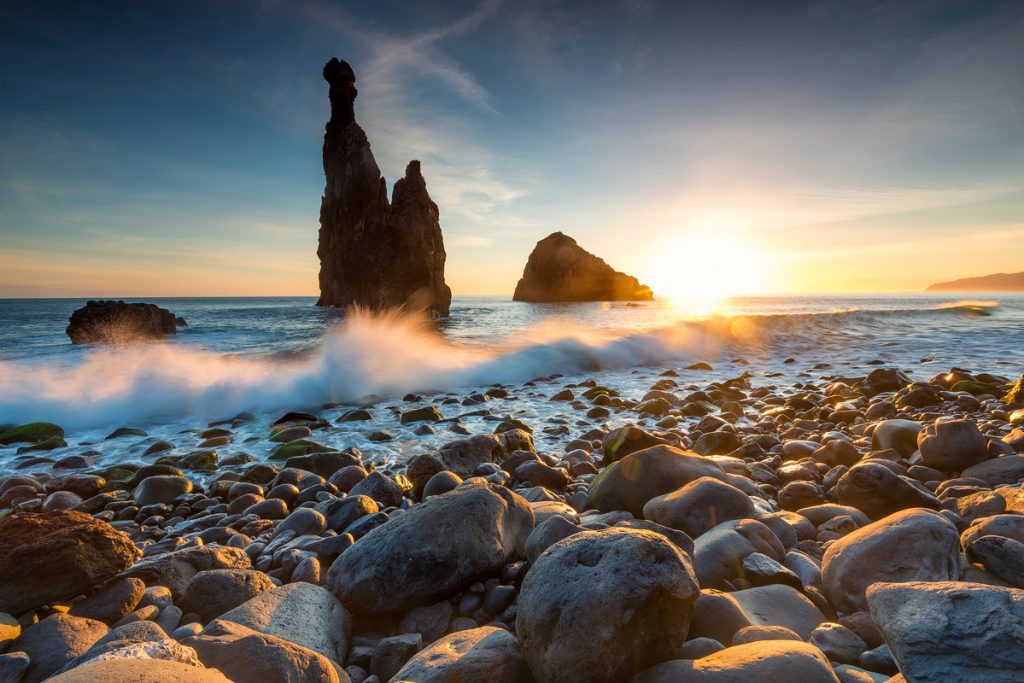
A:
(699, 271)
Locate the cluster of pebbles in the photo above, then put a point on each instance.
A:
(866, 528)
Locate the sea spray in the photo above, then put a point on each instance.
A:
(365, 357)
(369, 356)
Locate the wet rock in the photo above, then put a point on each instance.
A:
(479, 655)
(640, 476)
(35, 432)
(162, 488)
(213, 592)
(57, 555)
(951, 631)
(910, 545)
(432, 549)
(620, 442)
(768, 660)
(442, 482)
(463, 456)
(560, 270)
(339, 513)
(115, 322)
(587, 614)
(380, 488)
(699, 506)
(373, 253)
(300, 613)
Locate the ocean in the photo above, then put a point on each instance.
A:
(268, 355)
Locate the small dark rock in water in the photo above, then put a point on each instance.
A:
(115, 322)
(561, 270)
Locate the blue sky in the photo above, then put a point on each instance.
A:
(174, 148)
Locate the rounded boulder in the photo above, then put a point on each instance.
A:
(604, 605)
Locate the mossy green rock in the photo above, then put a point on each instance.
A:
(34, 432)
(976, 388)
(427, 414)
(294, 449)
(205, 460)
(509, 425)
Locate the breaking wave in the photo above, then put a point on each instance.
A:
(371, 356)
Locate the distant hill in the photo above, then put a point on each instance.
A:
(1000, 282)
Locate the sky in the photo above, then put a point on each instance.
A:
(174, 148)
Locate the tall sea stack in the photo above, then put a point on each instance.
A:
(372, 253)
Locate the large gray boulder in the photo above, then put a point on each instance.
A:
(432, 549)
(629, 483)
(56, 555)
(765, 660)
(952, 631)
(478, 655)
(603, 605)
(301, 613)
(910, 545)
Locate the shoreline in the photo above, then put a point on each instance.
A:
(769, 474)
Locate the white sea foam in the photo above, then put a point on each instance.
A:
(365, 356)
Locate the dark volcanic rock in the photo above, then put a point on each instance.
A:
(57, 555)
(373, 253)
(561, 270)
(115, 322)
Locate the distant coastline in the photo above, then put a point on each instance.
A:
(998, 282)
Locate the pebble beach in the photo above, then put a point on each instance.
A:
(752, 514)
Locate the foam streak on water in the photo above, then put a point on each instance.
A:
(196, 377)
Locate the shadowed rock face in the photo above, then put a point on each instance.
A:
(559, 270)
(374, 253)
(115, 322)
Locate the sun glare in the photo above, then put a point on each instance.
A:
(697, 272)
